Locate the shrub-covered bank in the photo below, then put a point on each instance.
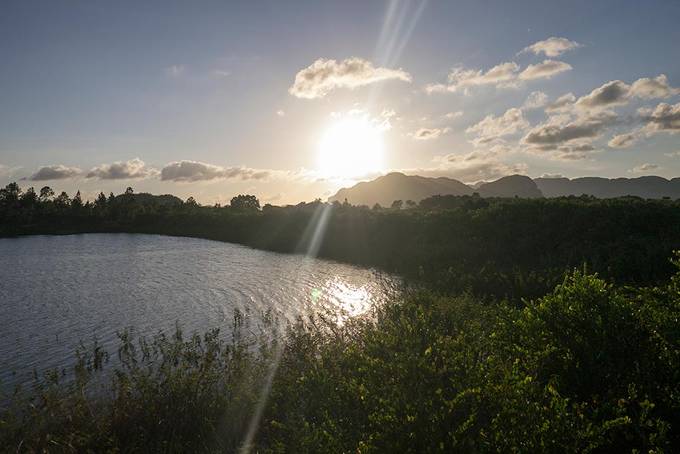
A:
(588, 367)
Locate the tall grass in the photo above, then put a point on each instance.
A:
(588, 367)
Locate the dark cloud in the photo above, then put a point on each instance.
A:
(614, 93)
(189, 171)
(581, 128)
(55, 172)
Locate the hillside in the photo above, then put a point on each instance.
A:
(397, 186)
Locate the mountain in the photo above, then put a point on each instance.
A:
(511, 186)
(397, 186)
(648, 187)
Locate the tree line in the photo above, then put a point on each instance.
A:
(489, 246)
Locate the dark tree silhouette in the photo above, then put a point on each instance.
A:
(245, 202)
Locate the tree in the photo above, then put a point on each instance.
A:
(397, 204)
(29, 198)
(46, 193)
(11, 193)
(191, 202)
(77, 202)
(100, 202)
(62, 200)
(245, 202)
(129, 191)
(411, 204)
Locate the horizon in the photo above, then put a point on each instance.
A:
(294, 103)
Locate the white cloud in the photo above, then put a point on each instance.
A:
(624, 140)
(673, 154)
(175, 70)
(552, 47)
(429, 133)
(504, 75)
(664, 118)
(190, 171)
(55, 172)
(132, 169)
(325, 75)
(470, 167)
(492, 128)
(281, 113)
(562, 104)
(644, 168)
(462, 79)
(453, 115)
(535, 100)
(657, 87)
(544, 70)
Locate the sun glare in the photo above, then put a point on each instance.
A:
(351, 147)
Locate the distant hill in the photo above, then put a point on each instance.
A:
(646, 187)
(397, 186)
(511, 186)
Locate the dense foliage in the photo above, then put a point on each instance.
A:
(589, 367)
(570, 361)
(499, 247)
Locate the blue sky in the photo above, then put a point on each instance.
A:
(198, 98)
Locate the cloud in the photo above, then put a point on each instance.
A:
(55, 172)
(453, 115)
(553, 133)
(544, 70)
(618, 93)
(462, 79)
(644, 168)
(664, 118)
(132, 169)
(429, 133)
(657, 87)
(470, 167)
(614, 93)
(552, 47)
(673, 154)
(562, 104)
(535, 100)
(324, 76)
(624, 140)
(281, 113)
(491, 128)
(175, 70)
(504, 75)
(190, 171)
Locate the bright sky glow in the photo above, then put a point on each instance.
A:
(351, 147)
(237, 97)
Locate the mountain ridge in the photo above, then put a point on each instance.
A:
(399, 186)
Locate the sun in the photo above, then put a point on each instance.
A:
(351, 147)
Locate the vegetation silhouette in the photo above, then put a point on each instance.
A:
(542, 325)
(502, 247)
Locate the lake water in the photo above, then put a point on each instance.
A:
(58, 290)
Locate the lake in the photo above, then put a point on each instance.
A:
(58, 290)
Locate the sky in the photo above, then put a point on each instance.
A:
(292, 100)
